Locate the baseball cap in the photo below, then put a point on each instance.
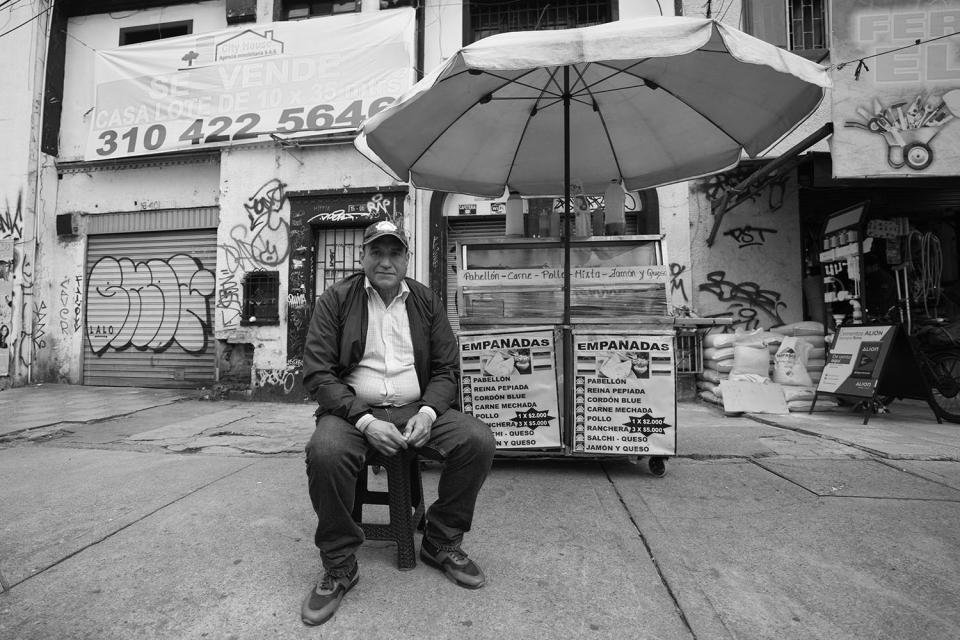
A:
(384, 228)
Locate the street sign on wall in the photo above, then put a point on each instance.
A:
(246, 84)
(896, 95)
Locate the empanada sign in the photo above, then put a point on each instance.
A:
(624, 394)
(509, 380)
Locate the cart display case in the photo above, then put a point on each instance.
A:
(603, 383)
(518, 281)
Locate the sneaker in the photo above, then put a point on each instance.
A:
(454, 563)
(324, 599)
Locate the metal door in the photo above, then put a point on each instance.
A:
(149, 309)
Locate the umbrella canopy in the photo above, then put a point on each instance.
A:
(649, 101)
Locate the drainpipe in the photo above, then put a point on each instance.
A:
(37, 131)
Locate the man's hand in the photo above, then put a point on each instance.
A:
(418, 430)
(384, 437)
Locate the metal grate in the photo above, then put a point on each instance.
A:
(261, 298)
(490, 17)
(338, 255)
(689, 350)
(807, 20)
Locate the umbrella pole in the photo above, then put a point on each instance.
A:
(566, 195)
(567, 329)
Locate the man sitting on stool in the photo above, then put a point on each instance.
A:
(381, 361)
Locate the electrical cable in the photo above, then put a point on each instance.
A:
(859, 61)
(44, 12)
(11, 3)
(927, 267)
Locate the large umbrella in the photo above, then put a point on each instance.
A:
(649, 102)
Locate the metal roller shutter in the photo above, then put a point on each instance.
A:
(149, 309)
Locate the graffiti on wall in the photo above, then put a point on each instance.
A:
(724, 184)
(747, 302)
(11, 221)
(11, 230)
(281, 381)
(27, 338)
(262, 242)
(749, 236)
(71, 305)
(149, 305)
(228, 298)
(676, 280)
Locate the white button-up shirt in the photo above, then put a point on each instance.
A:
(386, 374)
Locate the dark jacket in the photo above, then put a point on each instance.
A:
(337, 338)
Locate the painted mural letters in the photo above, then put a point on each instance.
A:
(149, 304)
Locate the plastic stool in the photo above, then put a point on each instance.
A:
(404, 496)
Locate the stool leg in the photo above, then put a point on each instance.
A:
(416, 495)
(400, 516)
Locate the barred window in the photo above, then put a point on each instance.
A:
(261, 298)
(303, 9)
(488, 17)
(807, 24)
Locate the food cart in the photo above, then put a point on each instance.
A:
(602, 384)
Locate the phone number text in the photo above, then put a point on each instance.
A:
(246, 126)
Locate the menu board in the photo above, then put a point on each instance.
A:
(509, 380)
(624, 394)
(856, 360)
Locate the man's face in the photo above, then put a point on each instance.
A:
(385, 263)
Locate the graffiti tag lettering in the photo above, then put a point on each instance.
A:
(11, 222)
(747, 236)
(149, 305)
(745, 297)
(676, 281)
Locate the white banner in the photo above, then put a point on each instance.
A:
(242, 85)
(896, 97)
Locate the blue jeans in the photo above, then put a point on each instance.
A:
(336, 454)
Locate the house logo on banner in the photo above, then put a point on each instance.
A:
(248, 44)
(210, 48)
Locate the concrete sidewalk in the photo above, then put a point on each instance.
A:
(154, 514)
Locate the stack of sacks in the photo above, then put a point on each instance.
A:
(811, 333)
(798, 365)
(737, 354)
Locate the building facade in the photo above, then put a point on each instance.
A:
(149, 239)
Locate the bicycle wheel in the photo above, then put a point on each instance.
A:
(945, 367)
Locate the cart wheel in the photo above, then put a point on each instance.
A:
(895, 156)
(657, 466)
(918, 155)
